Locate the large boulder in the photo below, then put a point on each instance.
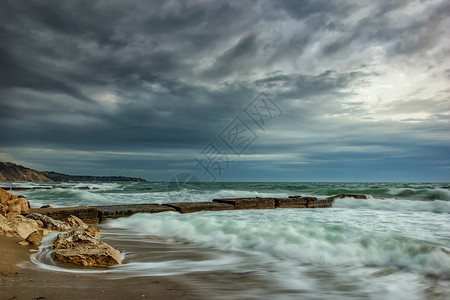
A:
(17, 226)
(77, 247)
(18, 206)
(90, 255)
(73, 239)
(50, 223)
(12, 205)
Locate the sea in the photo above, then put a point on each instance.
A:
(393, 245)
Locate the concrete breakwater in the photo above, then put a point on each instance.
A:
(96, 214)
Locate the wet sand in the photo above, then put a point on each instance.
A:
(21, 279)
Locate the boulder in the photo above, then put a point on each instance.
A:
(12, 205)
(50, 223)
(76, 222)
(17, 226)
(18, 206)
(188, 207)
(34, 238)
(73, 239)
(90, 255)
(249, 203)
(77, 247)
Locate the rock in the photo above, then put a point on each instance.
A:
(24, 243)
(18, 206)
(74, 221)
(340, 196)
(78, 223)
(2, 210)
(17, 226)
(46, 206)
(50, 223)
(40, 223)
(73, 239)
(12, 205)
(90, 255)
(77, 247)
(291, 202)
(4, 196)
(34, 238)
(117, 211)
(320, 203)
(249, 203)
(88, 214)
(188, 207)
(93, 231)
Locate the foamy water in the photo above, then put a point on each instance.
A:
(396, 244)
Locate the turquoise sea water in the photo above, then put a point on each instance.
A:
(396, 244)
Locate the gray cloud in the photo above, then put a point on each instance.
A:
(111, 77)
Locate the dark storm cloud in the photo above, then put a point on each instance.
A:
(160, 76)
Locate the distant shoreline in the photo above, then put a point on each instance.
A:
(11, 172)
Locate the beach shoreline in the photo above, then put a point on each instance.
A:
(21, 279)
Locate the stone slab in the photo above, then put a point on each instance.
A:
(249, 203)
(188, 207)
(117, 211)
(86, 213)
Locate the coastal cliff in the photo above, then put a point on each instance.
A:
(11, 172)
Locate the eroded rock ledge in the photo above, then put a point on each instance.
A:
(96, 214)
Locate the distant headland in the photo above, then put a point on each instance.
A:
(11, 172)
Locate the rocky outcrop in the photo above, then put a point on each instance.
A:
(50, 223)
(17, 226)
(117, 211)
(12, 205)
(291, 202)
(320, 203)
(249, 203)
(189, 207)
(79, 248)
(88, 214)
(10, 172)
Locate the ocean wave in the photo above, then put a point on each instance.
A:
(302, 239)
(435, 206)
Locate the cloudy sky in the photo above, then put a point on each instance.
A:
(347, 90)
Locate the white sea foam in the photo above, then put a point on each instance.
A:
(306, 237)
(436, 206)
(378, 248)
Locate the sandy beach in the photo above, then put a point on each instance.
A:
(21, 279)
